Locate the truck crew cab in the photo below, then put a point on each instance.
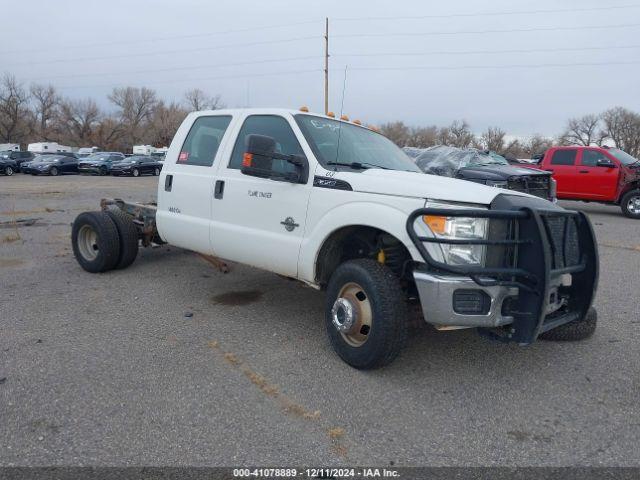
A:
(341, 208)
(595, 174)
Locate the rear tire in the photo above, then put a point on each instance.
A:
(372, 293)
(630, 204)
(573, 331)
(128, 234)
(95, 242)
(135, 172)
(103, 171)
(8, 171)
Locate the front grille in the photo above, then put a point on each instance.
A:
(537, 185)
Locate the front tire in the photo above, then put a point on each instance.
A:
(135, 172)
(365, 314)
(95, 241)
(156, 171)
(53, 172)
(103, 171)
(128, 234)
(8, 171)
(574, 331)
(630, 204)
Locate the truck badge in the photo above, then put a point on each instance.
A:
(289, 224)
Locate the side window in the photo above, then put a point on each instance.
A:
(564, 157)
(202, 142)
(590, 158)
(273, 126)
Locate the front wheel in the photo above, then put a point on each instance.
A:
(630, 204)
(54, 172)
(8, 171)
(365, 314)
(103, 171)
(573, 331)
(156, 171)
(135, 172)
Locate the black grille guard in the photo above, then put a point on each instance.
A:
(533, 268)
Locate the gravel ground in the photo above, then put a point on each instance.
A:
(171, 362)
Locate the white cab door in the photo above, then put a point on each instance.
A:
(258, 221)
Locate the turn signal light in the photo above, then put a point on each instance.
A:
(247, 159)
(435, 223)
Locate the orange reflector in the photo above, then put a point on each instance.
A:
(344, 117)
(436, 224)
(357, 122)
(304, 108)
(331, 114)
(247, 159)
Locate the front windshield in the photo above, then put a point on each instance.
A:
(47, 159)
(624, 157)
(98, 157)
(333, 141)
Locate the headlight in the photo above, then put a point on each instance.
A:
(458, 228)
(497, 183)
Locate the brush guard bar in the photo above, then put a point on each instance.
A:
(540, 246)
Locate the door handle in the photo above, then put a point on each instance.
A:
(583, 171)
(218, 190)
(548, 170)
(168, 182)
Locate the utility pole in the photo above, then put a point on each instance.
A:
(326, 66)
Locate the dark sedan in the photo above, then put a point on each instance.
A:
(137, 165)
(18, 157)
(99, 163)
(51, 165)
(8, 166)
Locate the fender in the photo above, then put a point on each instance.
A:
(391, 219)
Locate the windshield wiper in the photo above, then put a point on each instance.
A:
(357, 165)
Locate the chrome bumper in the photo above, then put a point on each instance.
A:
(436, 297)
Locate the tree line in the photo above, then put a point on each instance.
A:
(617, 126)
(39, 113)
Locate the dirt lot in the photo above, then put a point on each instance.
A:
(170, 362)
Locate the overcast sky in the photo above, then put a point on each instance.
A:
(420, 62)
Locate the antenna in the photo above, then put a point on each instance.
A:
(326, 66)
(344, 88)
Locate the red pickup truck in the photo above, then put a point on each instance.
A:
(595, 174)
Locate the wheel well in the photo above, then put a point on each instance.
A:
(628, 188)
(359, 241)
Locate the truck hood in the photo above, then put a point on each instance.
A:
(421, 185)
(499, 172)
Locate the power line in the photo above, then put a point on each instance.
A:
(497, 67)
(157, 39)
(165, 52)
(202, 79)
(175, 69)
(482, 52)
(474, 32)
(488, 14)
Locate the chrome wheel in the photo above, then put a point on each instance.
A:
(633, 205)
(88, 243)
(352, 315)
(156, 172)
(135, 172)
(9, 171)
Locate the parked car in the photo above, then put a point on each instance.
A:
(341, 208)
(63, 154)
(595, 174)
(52, 165)
(484, 167)
(99, 163)
(18, 157)
(8, 166)
(136, 165)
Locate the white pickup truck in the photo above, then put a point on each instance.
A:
(339, 207)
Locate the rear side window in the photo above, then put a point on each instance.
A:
(564, 157)
(202, 142)
(272, 126)
(590, 158)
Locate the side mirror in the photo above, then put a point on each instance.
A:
(605, 162)
(260, 154)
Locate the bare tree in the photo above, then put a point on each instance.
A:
(622, 126)
(15, 116)
(493, 138)
(77, 121)
(423, 137)
(197, 100)
(456, 135)
(136, 107)
(166, 120)
(45, 99)
(582, 131)
(397, 132)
